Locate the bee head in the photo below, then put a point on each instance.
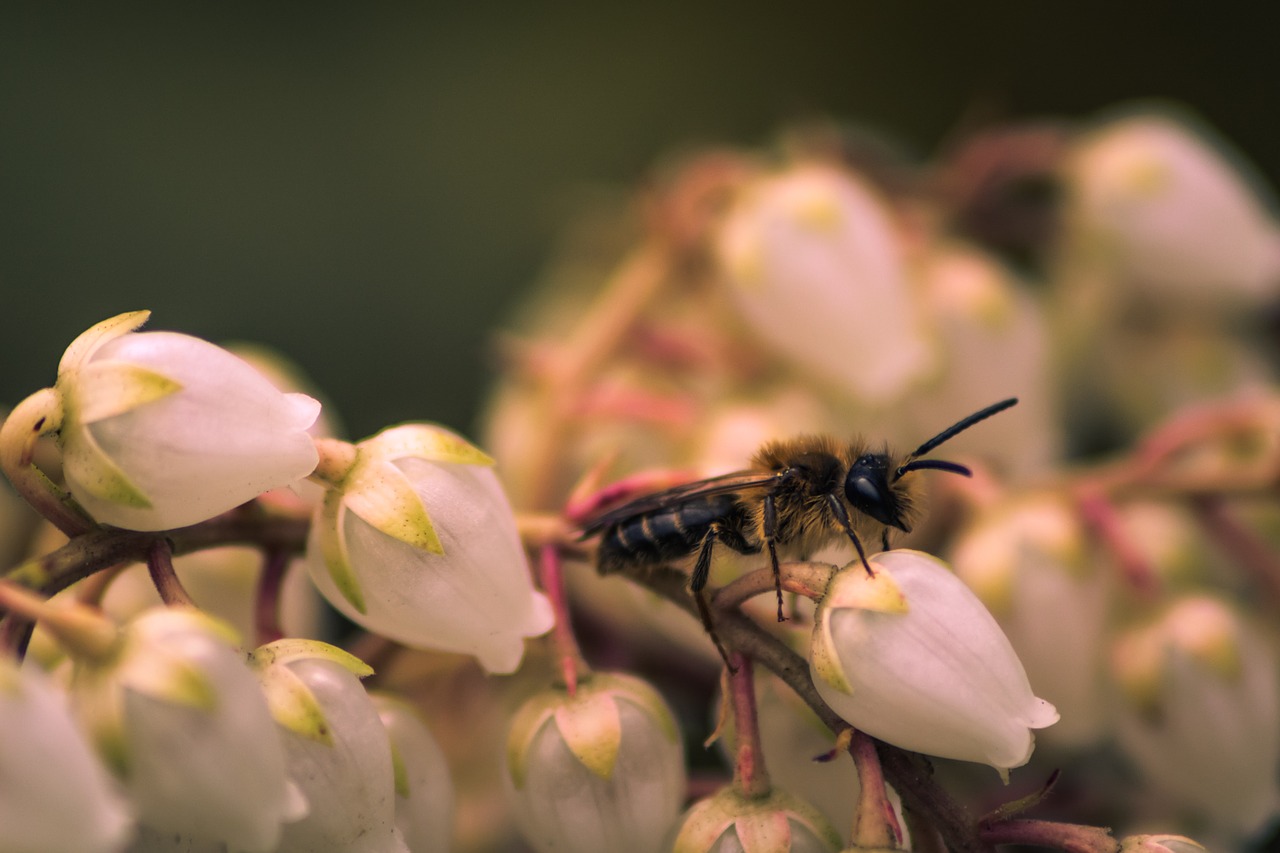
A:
(868, 489)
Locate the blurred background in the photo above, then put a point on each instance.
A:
(371, 190)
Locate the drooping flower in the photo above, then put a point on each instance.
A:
(416, 541)
(730, 822)
(336, 748)
(910, 656)
(184, 723)
(814, 267)
(54, 792)
(424, 791)
(600, 770)
(162, 430)
(1201, 713)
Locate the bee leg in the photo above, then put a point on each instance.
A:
(770, 532)
(884, 540)
(838, 510)
(698, 584)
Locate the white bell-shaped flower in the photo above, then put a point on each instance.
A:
(814, 266)
(424, 791)
(601, 770)
(54, 793)
(185, 724)
(336, 748)
(162, 430)
(1160, 844)
(1201, 713)
(730, 822)
(1172, 212)
(910, 656)
(1026, 559)
(417, 542)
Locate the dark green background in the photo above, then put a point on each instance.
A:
(368, 190)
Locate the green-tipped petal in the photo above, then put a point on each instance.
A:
(169, 679)
(293, 705)
(533, 715)
(98, 475)
(823, 659)
(878, 592)
(592, 730)
(333, 549)
(292, 649)
(426, 441)
(104, 389)
(399, 773)
(84, 346)
(382, 496)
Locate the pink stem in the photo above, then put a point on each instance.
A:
(551, 577)
(749, 773)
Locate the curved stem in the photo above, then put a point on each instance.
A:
(38, 415)
(804, 578)
(160, 565)
(875, 824)
(266, 606)
(749, 773)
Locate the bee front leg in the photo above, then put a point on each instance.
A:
(698, 584)
(842, 516)
(770, 533)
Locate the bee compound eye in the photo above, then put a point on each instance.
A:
(867, 496)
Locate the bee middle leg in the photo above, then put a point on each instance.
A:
(698, 584)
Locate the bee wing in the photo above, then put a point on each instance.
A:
(725, 483)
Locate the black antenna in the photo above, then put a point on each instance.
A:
(949, 433)
(937, 465)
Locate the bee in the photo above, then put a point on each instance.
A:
(798, 496)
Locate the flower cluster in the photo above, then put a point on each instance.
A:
(1110, 541)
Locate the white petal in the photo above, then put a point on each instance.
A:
(54, 793)
(225, 438)
(476, 598)
(940, 678)
(424, 812)
(349, 785)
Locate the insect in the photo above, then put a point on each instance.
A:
(798, 496)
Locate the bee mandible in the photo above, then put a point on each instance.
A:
(798, 496)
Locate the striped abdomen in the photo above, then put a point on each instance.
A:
(672, 533)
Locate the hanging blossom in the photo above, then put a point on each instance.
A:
(424, 791)
(335, 746)
(1200, 715)
(54, 793)
(813, 263)
(910, 656)
(182, 721)
(600, 770)
(732, 822)
(162, 430)
(416, 541)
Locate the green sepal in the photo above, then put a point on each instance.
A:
(291, 649)
(104, 389)
(426, 441)
(535, 713)
(592, 729)
(333, 549)
(399, 772)
(168, 678)
(293, 705)
(90, 340)
(822, 653)
(763, 832)
(380, 495)
(96, 472)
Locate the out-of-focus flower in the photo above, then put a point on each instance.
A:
(336, 748)
(1159, 844)
(730, 822)
(162, 430)
(994, 339)
(600, 770)
(416, 541)
(910, 656)
(183, 721)
(1162, 205)
(1200, 714)
(424, 791)
(1026, 560)
(54, 794)
(814, 267)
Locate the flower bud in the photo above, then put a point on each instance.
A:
(1159, 844)
(335, 745)
(54, 793)
(1200, 715)
(1172, 212)
(424, 791)
(417, 542)
(776, 823)
(1026, 561)
(600, 770)
(162, 430)
(910, 656)
(184, 723)
(813, 264)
